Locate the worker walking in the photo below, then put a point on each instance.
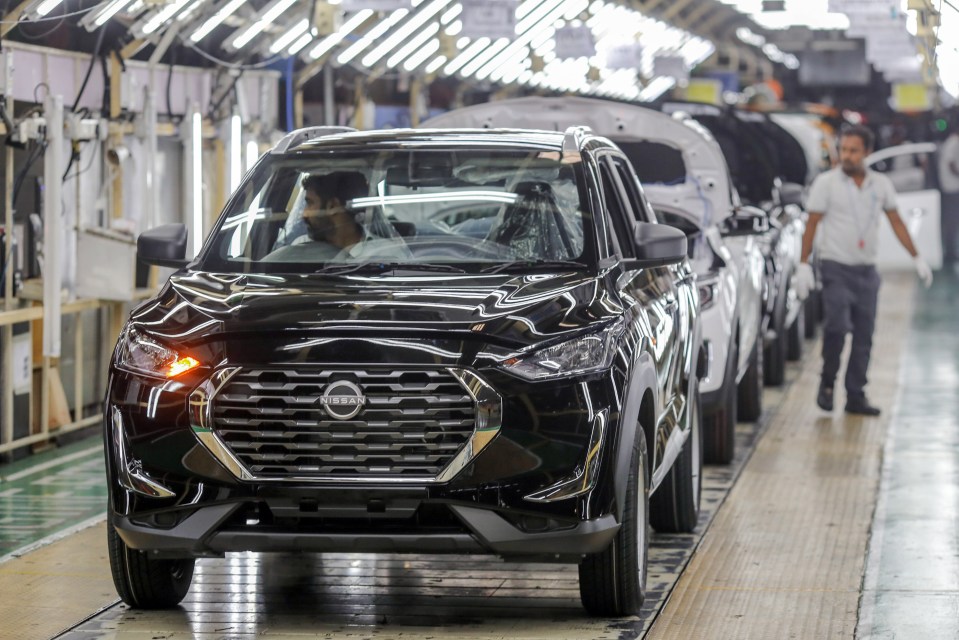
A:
(849, 200)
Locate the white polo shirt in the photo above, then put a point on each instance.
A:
(850, 223)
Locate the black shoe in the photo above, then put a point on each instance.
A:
(860, 406)
(824, 398)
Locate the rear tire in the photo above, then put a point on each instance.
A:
(774, 355)
(144, 582)
(613, 582)
(751, 386)
(795, 336)
(674, 507)
(719, 427)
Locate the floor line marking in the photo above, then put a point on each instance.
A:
(59, 535)
(50, 463)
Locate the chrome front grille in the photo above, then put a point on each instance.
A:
(412, 424)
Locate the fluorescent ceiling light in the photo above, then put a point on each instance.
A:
(287, 38)
(334, 39)
(266, 18)
(404, 31)
(46, 7)
(214, 21)
(106, 11)
(186, 13)
(467, 54)
(421, 56)
(370, 36)
(414, 44)
(484, 57)
(435, 64)
(297, 46)
(162, 16)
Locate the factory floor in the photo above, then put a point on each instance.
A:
(824, 526)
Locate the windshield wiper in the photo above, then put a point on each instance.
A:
(380, 267)
(525, 265)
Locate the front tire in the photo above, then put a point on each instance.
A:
(144, 582)
(674, 507)
(774, 356)
(796, 336)
(719, 428)
(751, 386)
(613, 582)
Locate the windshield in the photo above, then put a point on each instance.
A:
(341, 209)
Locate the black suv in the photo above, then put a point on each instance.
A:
(412, 341)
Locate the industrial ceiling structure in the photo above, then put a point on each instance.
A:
(624, 49)
(580, 46)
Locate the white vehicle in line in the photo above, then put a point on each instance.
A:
(686, 180)
(908, 166)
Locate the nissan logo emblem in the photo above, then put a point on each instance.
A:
(342, 399)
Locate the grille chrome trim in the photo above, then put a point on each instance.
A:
(487, 405)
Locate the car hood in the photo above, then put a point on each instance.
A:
(705, 191)
(513, 311)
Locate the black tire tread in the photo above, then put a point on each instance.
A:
(604, 590)
(751, 386)
(674, 506)
(143, 582)
(719, 427)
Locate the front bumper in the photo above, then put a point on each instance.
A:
(542, 486)
(215, 530)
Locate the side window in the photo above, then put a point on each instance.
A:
(908, 171)
(634, 194)
(617, 215)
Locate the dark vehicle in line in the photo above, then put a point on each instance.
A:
(532, 393)
(685, 177)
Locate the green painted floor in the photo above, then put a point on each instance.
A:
(50, 493)
(911, 588)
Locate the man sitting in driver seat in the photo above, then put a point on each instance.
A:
(335, 232)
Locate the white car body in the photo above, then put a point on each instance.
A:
(705, 197)
(919, 206)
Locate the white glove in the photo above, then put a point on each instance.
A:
(923, 271)
(803, 280)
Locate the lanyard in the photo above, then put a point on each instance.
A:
(855, 203)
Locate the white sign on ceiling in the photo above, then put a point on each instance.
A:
(862, 6)
(574, 42)
(624, 55)
(671, 67)
(489, 18)
(349, 6)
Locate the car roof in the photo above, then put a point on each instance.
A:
(706, 191)
(459, 136)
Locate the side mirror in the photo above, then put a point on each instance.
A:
(745, 221)
(164, 246)
(656, 245)
(791, 193)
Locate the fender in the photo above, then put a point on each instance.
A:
(642, 379)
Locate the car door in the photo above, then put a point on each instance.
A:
(909, 167)
(667, 312)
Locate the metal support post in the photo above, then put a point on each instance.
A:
(329, 107)
(6, 380)
(52, 253)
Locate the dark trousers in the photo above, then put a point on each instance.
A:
(949, 224)
(849, 297)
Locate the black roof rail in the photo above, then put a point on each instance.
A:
(572, 138)
(299, 136)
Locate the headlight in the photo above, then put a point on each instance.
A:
(586, 354)
(708, 291)
(142, 354)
